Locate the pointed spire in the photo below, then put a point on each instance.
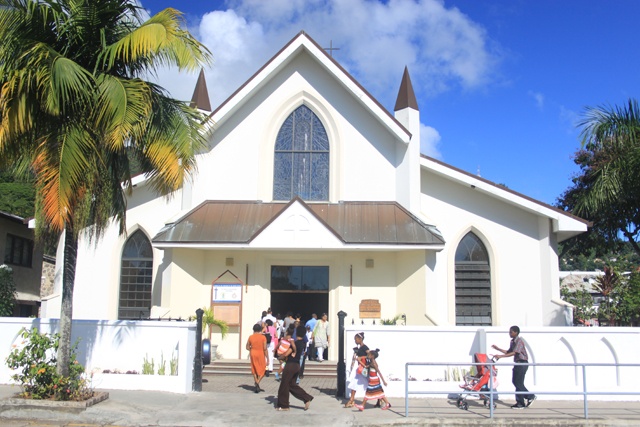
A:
(406, 96)
(200, 97)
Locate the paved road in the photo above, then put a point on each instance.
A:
(229, 401)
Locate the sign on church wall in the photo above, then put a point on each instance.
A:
(370, 309)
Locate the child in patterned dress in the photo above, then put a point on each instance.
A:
(374, 389)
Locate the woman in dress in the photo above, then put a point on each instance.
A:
(374, 389)
(291, 368)
(357, 383)
(257, 346)
(321, 336)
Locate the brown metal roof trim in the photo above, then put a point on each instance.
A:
(200, 98)
(406, 95)
(239, 222)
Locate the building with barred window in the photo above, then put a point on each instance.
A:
(311, 197)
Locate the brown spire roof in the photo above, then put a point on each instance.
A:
(406, 96)
(200, 97)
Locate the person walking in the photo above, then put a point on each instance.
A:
(357, 383)
(518, 351)
(374, 389)
(273, 344)
(288, 383)
(311, 324)
(257, 346)
(321, 336)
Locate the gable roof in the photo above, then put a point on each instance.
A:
(238, 223)
(302, 42)
(565, 224)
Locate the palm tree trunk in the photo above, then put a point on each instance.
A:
(66, 309)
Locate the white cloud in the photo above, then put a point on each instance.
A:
(538, 98)
(429, 141)
(442, 47)
(569, 119)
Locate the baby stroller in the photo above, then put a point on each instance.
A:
(479, 383)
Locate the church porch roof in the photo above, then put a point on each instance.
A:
(353, 223)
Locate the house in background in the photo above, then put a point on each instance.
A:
(312, 197)
(19, 251)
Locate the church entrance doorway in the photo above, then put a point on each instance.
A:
(299, 289)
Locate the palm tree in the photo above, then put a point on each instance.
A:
(209, 320)
(607, 284)
(610, 162)
(74, 105)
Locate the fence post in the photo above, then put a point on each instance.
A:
(341, 365)
(197, 360)
(584, 389)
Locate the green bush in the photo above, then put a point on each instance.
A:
(7, 291)
(35, 357)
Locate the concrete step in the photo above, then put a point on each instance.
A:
(326, 369)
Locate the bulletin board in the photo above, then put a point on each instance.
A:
(226, 299)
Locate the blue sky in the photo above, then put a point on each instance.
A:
(501, 84)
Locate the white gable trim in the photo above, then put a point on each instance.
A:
(561, 222)
(303, 42)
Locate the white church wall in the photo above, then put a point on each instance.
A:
(240, 164)
(511, 236)
(117, 345)
(96, 288)
(552, 345)
(411, 290)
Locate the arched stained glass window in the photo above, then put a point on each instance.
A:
(135, 278)
(473, 283)
(301, 160)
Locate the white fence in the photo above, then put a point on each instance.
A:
(118, 346)
(401, 344)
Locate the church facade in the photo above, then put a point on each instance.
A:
(311, 197)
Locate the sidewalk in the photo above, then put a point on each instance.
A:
(229, 401)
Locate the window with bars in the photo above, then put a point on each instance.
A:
(301, 158)
(473, 283)
(18, 251)
(136, 272)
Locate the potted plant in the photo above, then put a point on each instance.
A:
(208, 321)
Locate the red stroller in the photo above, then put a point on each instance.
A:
(475, 385)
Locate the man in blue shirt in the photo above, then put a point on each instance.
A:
(311, 323)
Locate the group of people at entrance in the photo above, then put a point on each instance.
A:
(291, 343)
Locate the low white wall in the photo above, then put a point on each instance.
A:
(117, 345)
(401, 344)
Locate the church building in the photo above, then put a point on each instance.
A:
(311, 197)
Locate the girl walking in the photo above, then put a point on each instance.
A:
(374, 389)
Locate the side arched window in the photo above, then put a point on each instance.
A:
(135, 278)
(473, 283)
(301, 158)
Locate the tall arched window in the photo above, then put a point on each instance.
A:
(301, 161)
(135, 278)
(473, 283)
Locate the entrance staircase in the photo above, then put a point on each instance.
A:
(326, 369)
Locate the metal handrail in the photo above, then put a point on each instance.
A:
(491, 392)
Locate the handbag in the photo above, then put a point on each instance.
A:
(362, 370)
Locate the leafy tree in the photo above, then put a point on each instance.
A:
(607, 191)
(7, 291)
(627, 307)
(73, 103)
